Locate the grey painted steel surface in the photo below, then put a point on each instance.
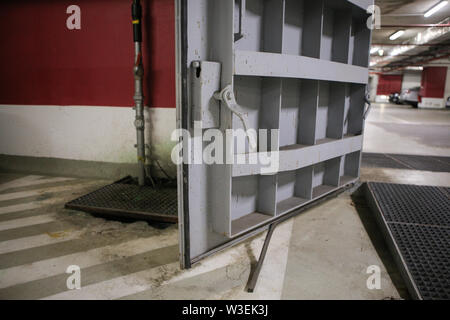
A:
(205, 82)
(297, 66)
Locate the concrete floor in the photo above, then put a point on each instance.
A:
(323, 253)
(400, 129)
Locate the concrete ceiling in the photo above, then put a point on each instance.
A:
(401, 14)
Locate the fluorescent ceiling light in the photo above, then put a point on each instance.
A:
(435, 9)
(397, 34)
(414, 68)
(419, 37)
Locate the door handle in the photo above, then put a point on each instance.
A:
(369, 106)
(227, 97)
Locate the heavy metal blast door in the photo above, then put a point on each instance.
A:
(292, 71)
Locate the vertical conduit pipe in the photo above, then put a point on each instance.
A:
(136, 13)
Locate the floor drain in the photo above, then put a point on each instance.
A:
(415, 221)
(125, 199)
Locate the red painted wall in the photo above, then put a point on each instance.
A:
(44, 63)
(388, 84)
(433, 82)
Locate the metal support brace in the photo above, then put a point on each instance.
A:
(255, 275)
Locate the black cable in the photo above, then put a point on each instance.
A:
(163, 171)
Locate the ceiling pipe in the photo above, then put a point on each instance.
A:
(403, 55)
(422, 25)
(412, 45)
(441, 53)
(419, 63)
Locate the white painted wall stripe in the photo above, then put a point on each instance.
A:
(112, 140)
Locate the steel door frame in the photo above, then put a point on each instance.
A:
(183, 122)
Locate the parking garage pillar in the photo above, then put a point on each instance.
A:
(434, 87)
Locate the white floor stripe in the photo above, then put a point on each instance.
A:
(31, 181)
(25, 222)
(50, 267)
(40, 203)
(118, 287)
(271, 279)
(21, 207)
(37, 241)
(19, 182)
(270, 284)
(33, 193)
(141, 281)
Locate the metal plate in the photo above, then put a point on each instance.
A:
(416, 224)
(130, 201)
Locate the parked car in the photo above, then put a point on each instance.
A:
(447, 104)
(394, 98)
(410, 96)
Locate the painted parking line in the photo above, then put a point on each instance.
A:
(54, 266)
(25, 222)
(21, 207)
(37, 241)
(31, 181)
(37, 192)
(119, 287)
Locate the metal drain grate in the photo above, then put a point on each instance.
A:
(413, 204)
(426, 252)
(416, 223)
(127, 200)
(406, 161)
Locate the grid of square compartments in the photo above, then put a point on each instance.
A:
(320, 119)
(333, 30)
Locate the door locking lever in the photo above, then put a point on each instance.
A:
(227, 97)
(369, 105)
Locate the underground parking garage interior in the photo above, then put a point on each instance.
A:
(236, 150)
